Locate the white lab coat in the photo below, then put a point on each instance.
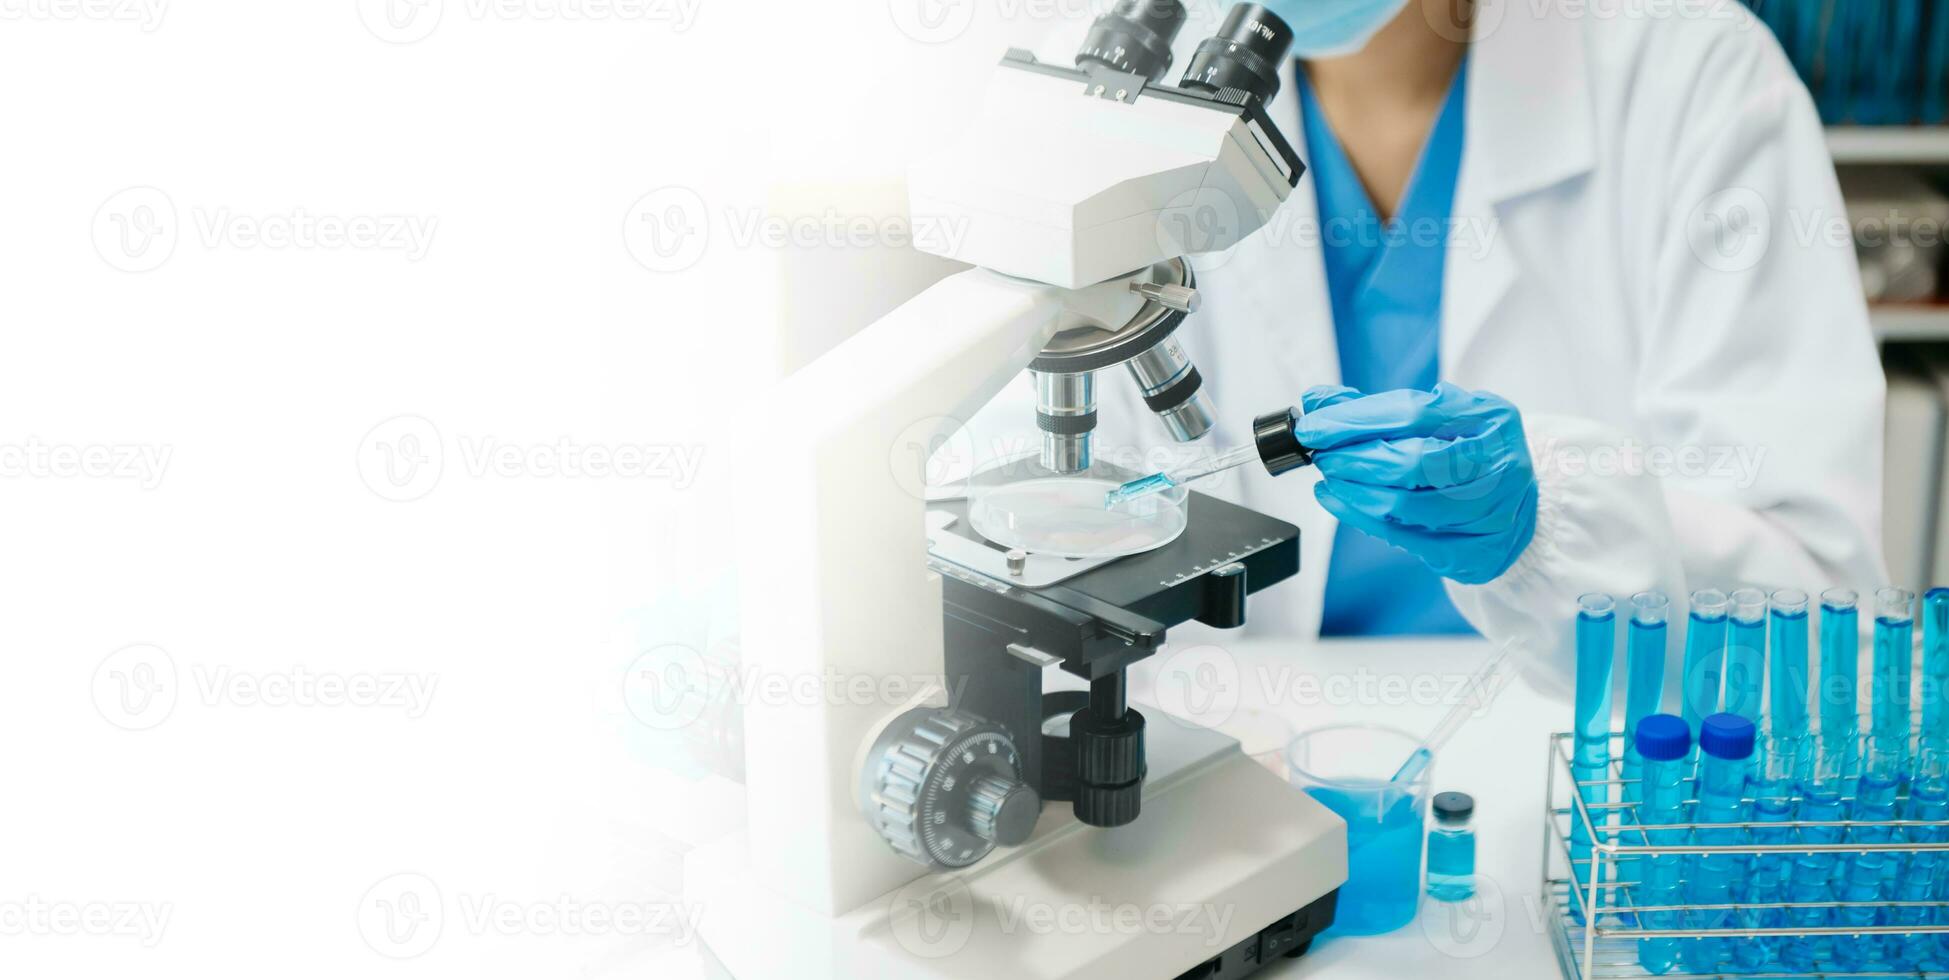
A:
(1585, 283)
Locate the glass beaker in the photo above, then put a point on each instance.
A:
(1346, 767)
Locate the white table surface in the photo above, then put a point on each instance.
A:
(1499, 757)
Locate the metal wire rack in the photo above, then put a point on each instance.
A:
(1606, 944)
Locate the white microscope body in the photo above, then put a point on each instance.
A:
(1067, 181)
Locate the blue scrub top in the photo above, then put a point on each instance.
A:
(1385, 279)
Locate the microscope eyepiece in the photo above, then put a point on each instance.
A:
(1135, 36)
(1244, 54)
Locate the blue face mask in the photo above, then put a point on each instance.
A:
(1325, 28)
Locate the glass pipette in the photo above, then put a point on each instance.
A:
(1159, 482)
(1483, 687)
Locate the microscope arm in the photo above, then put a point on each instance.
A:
(833, 562)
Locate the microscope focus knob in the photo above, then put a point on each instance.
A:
(945, 787)
(1110, 767)
(1002, 811)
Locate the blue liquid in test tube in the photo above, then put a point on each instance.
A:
(1745, 654)
(1596, 649)
(1823, 781)
(1867, 877)
(1645, 675)
(1705, 656)
(1774, 782)
(1894, 655)
(1840, 663)
(1725, 754)
(1935, 668)
(1664, 743)
(1788, 663)
(1928, 800)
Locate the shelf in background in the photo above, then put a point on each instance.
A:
(1889, 144)
(1910, 321)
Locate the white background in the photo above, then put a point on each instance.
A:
(358, 432)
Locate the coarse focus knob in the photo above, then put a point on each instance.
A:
(1110, 767)
(945, 787)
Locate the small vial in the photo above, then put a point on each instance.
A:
(1664, 742)
(1451, 848)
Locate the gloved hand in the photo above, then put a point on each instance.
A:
(1325, 28)
(1444, 475)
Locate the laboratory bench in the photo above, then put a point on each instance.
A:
(1499, 757)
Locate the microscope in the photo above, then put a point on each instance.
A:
(991, 825)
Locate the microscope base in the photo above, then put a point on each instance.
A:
(1227, 862)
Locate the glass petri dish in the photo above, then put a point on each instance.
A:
(1018, 504)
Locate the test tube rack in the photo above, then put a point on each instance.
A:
(1592, 923)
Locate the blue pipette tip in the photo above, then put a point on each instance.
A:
(1141, 487)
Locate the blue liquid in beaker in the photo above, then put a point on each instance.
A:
(1383, 887)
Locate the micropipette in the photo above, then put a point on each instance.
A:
(1275, 443)
(1486, 684)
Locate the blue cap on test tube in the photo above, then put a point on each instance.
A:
(1662, 738)
(1727, 736)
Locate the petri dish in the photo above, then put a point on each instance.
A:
(1021, 505)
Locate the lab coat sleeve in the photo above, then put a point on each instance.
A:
(1756, 460)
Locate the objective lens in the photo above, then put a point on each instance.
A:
(1244, 54)
(1172, 388)
(1135, 36)
(1065, 411)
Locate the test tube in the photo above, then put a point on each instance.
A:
(1866, 880)
(1788, 663)
(1935, 667)
(1745, 653)
(1775, 779)
(1928, 801)
(1726, 752)
(1596, 649)
(1894, 654)
(1664, 743)
(1645, 675)
(1823, 785)
(1840, 662)
(1705, 656)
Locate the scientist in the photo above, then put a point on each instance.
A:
(1558, 299)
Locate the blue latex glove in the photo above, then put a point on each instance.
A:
(1324, 28)
(1443, 475)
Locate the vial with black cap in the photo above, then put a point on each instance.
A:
(1451, 848)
